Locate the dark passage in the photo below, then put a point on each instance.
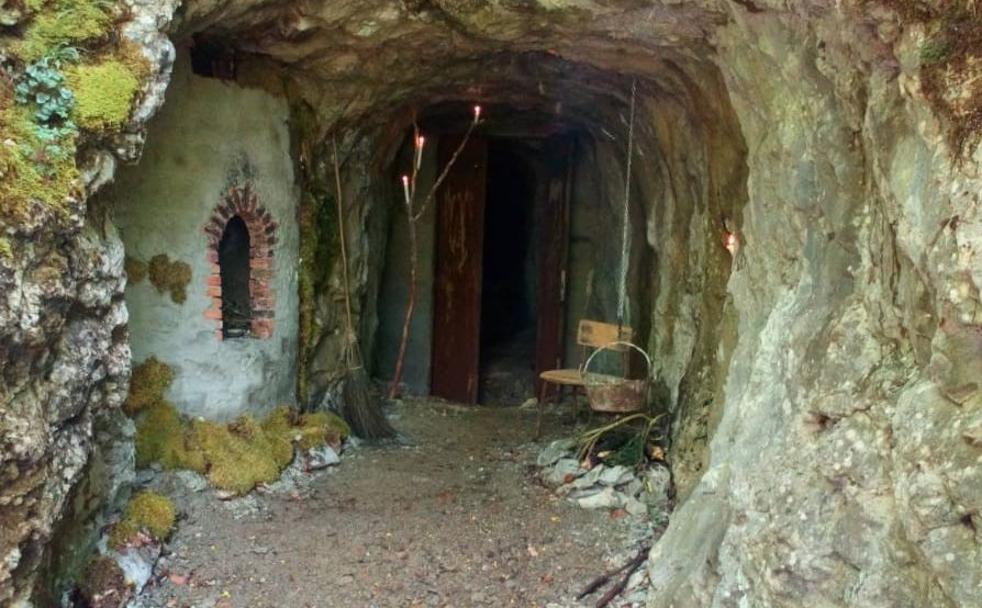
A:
(233, 259)
(508, 302)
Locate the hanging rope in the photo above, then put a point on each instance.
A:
(625, 232)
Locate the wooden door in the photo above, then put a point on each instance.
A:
(459, 263)
(552, 229)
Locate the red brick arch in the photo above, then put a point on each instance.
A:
(242, 201)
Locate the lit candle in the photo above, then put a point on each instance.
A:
(477, 113)
(731, 242)
(405, 188)
(419, 151)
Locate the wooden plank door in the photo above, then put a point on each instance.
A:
(459, 271)
(552, 228)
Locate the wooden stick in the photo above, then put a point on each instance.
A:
(631, 567)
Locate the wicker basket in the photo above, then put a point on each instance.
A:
(614, 394)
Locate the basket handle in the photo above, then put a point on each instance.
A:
(586, 366)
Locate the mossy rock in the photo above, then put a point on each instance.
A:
(168, 276)
(162, 436)
(104, 94)
(59, 23)
(28, 178)
(147, 512)
(322, 428)
(149, 382)
(237, 461)
(235, 457)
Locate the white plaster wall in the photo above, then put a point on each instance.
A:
(207, 134)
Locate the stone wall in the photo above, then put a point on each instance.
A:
(213, 136)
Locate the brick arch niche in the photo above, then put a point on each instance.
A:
(242, 201)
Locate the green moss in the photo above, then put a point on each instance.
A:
(27, 175)
(239, 455)
(147, 512)
(104, 94)
(321, 428)
(168, 276)
(162, 436)
(6, 251)
(935, 51)
(280, 433)
(147, 386)
(65, 23)
(136, 270)
(235, 457)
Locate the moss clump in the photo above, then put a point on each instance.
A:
(6, 251)
(147, 386)
(136, 270)
(103, 583)
(278, 427)
(238, 456)
(147, 512)
(320, 428)
(168, 276)
(104, 94)
(28, 174)
(163, 436)
(59, 23)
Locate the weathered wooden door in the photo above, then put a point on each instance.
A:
(552, 228)
(459, 264)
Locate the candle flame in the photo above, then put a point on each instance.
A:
(477, 112)
(420, 141)
(731, 242)
(405, 180)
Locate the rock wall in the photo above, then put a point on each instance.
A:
(844, 466)
(64, 353)
(211, 136)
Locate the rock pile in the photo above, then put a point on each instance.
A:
(641, 493)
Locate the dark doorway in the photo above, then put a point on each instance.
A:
(233, 260)
(508, 328)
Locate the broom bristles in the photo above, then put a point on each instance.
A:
(360, 410)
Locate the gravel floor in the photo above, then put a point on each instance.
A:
(456, 519)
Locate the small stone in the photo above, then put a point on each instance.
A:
(608, 498)
(557, 476)
(554, 451)
(615, 476)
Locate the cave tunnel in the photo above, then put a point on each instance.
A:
(776, 201)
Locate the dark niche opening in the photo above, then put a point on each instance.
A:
(233, 261)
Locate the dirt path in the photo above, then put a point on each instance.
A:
(458, 519)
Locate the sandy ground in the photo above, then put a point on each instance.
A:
(457, 518)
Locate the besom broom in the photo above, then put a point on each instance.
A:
(359, 409)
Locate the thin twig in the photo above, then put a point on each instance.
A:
(446, 170)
